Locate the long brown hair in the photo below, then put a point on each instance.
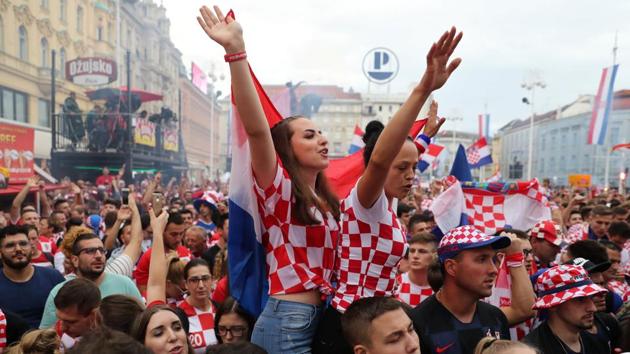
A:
(281, 134)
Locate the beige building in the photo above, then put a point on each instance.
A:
(29, 30)
(202, 131)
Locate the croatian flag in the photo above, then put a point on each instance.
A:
(478, 154)
(490, 206)
(429, 158)
(484, 126)
(602, 106)
(357, 140)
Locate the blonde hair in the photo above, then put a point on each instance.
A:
(220, 265)
(39, 341)
(175, 273)
(71, 236)
(491, 345)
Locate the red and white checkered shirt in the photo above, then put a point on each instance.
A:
(620, 288)
(299, 257)
(201, 327)
(410, 293)
(3, 331)
(371, 245)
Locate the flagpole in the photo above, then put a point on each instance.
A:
(608, 149)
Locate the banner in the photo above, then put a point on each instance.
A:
(198, 78)
(144, 133)
(16, 152)
(580, 181)
(171, 142)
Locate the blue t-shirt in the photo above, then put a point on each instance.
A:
(29, 298)
(209, 227)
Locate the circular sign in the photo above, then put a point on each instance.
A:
(380, 65)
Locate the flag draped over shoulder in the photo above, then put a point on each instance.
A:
(246, 263)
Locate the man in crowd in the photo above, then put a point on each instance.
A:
(188, 217)
(87, 255)
(23, 287)
(619, 234)
(105, 179)
(454, 319)
(601, 217)
(620, 213)
(173, 236)
(419, 223)
(206, 207)
(413, 286)
(222, 231)
(379, 325)
(196, 240)
(615, 281)
(546, 239)
(76, 305)
(566, 292)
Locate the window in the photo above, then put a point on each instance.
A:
(13, 105)
(44, 53)
(99, 33)
(23, 43)
(43, 4)
(62, 62)
(80, 19)
(110, 31)
(43, 112)
(62, 10)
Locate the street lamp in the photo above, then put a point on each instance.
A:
(531, 86)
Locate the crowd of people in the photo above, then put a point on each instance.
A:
(105, 267)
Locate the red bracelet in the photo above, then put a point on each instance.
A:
(235, 57)
(515, 260)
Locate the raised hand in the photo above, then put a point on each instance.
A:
(223, 30)
(32, 181)
(124, 213)
(433, 123)
(438, 68)
(158, 222)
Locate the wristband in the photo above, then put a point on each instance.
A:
(515, 260)
(235, 57)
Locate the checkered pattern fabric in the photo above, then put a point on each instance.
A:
(426, 204)
(576, 233)
(462, 235)
(620, 288)
(548, 230)
(372, 243)
(3, 331)
(410, 293)
(485, 211)
(472, 155)
(626, 268)
(299, 257)
(201, 331)
(562, 283)
(210, 198)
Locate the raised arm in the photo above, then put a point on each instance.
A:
(16, 206)
(156, 285)
(390, 141)
(134, 247)
(523, 296)
(110, 234)
(229, 34)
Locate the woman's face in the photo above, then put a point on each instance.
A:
(198, 282)
(308, 144)
(402, 171)
(232, 328)
(165, 334)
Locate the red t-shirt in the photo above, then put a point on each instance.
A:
(141, 274)
(103, 180)
(222, 291)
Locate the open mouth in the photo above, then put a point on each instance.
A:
(324, 152)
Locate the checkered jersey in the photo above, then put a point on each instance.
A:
(371, 245)
(299, 257)
(576, 233)
(201, 327)
(3, 331)
(485, 211)
(410, 293)
(620, 288)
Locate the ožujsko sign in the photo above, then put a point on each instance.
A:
(91, 71)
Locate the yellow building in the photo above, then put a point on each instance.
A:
(29, 30)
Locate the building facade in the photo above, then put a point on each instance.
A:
(560, 143)
(202, 131)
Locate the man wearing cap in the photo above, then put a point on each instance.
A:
(206, 207)
(566, 292)
(546, 239)
(605, 326)
(454, 319)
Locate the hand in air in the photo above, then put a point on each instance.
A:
(438, 68)
(223, 30)
(433, 124)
